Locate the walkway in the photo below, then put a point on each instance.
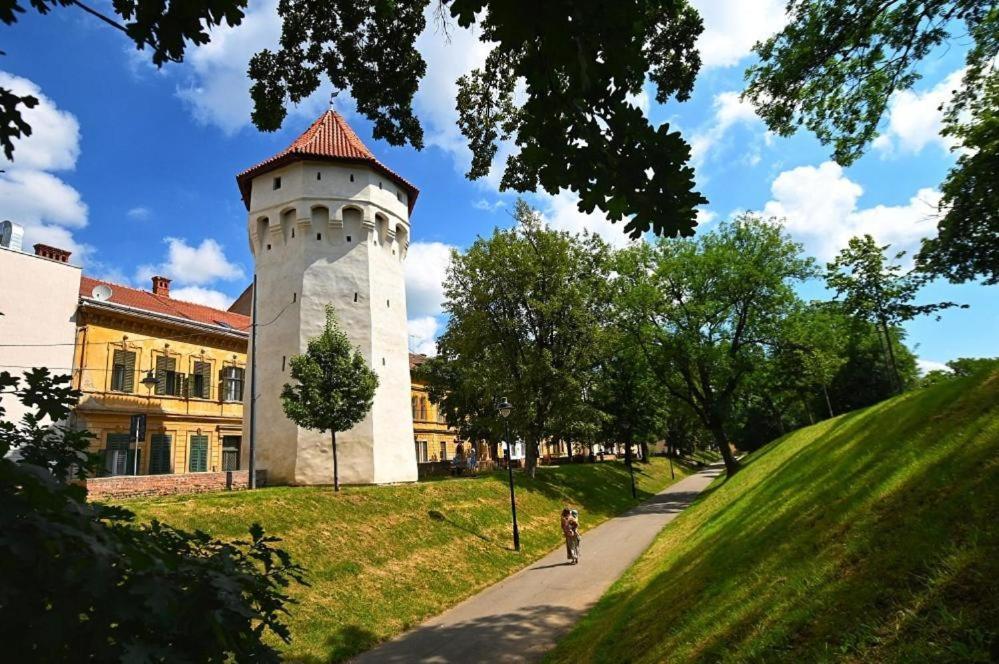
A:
(521, 617)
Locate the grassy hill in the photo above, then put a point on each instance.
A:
(381, 559)
(871, 537)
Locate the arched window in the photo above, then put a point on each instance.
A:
(423, 408)
(415, 413)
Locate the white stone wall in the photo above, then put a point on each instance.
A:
(329, 240)
(38, 299)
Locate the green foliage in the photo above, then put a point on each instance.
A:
(80, 580)
(706, 311)
(524, 308)
(962, 367)
(335, 387)
(870, 537)
(580, 63)
(876, 290)
(834, 69)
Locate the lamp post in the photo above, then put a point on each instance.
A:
(504, 408)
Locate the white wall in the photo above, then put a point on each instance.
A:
(317, 241)
(38, 299)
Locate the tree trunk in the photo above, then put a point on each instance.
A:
(808, 410)
(731, 463)
(531, 457)
(336, 468)
(891, 357)
(644, 445)
(825, 393)
(628, 461)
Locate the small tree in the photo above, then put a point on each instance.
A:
(876, 290)
(335, 386)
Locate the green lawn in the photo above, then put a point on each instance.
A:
(872, 537)
(381, 559)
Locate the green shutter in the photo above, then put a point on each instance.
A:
(204, 371)
(161, 374)
(118, 456)
(198, 462)
(129, 383)
(159, 454)
(117, 367)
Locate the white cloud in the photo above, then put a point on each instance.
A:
(218, 91)
(483, 204)
(915, 119)
(190, 265)
(30, 195)
(731, 27)
(198, 295)
(561, 213)
(426, 266)
(926, 366)
(139, 213)
(423, 335)
(729, 111)
(820, 206)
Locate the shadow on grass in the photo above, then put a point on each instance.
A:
(436, 515)
(871, 541)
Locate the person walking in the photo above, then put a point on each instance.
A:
(570, 525)
(574, 526)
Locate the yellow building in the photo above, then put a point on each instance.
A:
(434, 439)
(180, 364)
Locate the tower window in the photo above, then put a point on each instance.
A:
(398, 196)
(293, 232)
(319, 236)
(351, 177)
(283, 358)
(355, 297)
(268, 247)
(388, 304)
(294, 297)
(383, 361)
(380, 185)
(348, 238)
(277, 183)
(319, 176)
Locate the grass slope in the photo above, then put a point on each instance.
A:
(872, 537)
(381, 559)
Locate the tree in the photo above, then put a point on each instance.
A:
(834, 69)
(523, 309)
(335, 387)
(702, 309)
(877, 291)
(81, 580)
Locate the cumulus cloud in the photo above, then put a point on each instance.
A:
(915, 119)
(483, 204)
(729, 111)
(426, 265)
(820, 206)
(731, 27)
(423, 335)
(926, 366)
(48, 208)
(218, 89)
(206, 296)
(192, 265)
(561, 213)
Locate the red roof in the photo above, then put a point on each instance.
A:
(329, 138)
(167, 306)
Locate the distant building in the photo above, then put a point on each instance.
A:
(192, 356)
(433, 439)
(38, 296)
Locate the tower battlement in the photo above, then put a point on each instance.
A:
(329, 224)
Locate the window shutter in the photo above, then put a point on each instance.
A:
(241, 377)
(162, 366)
(129, 382)
(204, 370)
(159, 454)
(199, 454)
(117, 360)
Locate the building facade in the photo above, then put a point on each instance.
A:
(180, 364)
(38, 295)
(434, 441)
(329, 225)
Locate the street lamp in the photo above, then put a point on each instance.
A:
(149, 381)
(504, 409)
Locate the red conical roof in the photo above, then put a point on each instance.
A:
(329, 138)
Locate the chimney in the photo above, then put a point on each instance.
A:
(52, 253)
(161, 286)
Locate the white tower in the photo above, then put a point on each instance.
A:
(329, 224)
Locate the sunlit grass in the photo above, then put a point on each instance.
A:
(872, 537)
(381, 559)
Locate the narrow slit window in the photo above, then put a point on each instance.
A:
(294, 297)
(277, 183)
(380, 185)
(355, 297)
(348, 238)
(319, 236)
(268, 247)
(351, 177)
(319, 176)
(283, 358)
(388, 304)
(293, 232)
(383, 361)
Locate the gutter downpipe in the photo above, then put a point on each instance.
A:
(253, 388)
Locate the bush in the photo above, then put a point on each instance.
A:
(82, 581)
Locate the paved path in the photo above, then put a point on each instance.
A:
(521, 617)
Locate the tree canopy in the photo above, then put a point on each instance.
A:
(834, 69)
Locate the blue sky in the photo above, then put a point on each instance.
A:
(133, 168)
